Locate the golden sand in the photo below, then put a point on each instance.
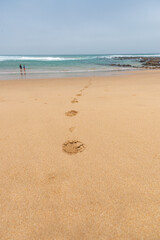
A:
(110, 190)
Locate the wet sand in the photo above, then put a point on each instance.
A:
(80, 158)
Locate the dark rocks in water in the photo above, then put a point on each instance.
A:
(126, 58)
(147, 62)
(152, 62)
(122, 65)
(144, 59)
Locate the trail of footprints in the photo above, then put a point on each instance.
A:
(74, 146)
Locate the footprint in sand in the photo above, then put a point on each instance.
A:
(86, 86)
(79, 94)
(71, 129)
(55, 179)
(73, 147)
(71, 113)
(74, 100)
(2, 100)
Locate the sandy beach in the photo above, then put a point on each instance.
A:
(80, 158)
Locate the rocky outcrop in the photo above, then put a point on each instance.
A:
(121, 65)
(152, 62)
(147, 62)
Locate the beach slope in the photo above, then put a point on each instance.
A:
(80, 158)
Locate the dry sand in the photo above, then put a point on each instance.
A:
(109, 191)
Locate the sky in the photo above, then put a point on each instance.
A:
(79, 26)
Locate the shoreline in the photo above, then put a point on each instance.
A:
(114, 74)
(54, 66)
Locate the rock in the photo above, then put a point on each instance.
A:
(147, 62)
(121, 65)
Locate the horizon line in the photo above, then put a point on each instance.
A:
(69, 54)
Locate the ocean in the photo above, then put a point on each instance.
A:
(58, 66)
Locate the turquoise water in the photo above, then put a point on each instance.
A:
(53, 66)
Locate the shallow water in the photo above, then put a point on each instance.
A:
(50, 66)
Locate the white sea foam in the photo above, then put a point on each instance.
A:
(42, 58)
(129, 55)
(67, 58)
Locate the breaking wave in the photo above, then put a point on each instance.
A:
(70, 58)
(42, 58)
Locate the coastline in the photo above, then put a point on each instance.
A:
(62, 66)
(110, 190)
(66, 74)
(116, 73)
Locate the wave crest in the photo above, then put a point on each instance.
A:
(41, 58)
(71, 58)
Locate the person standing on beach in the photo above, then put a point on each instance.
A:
(24, 68)
(20, 66)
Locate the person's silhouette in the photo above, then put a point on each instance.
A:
(24, 69)
(20, 66)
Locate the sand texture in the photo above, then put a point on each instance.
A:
(104, 185)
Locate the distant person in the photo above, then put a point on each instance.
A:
(20, 66)
(24, 69)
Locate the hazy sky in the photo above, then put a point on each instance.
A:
(79, 26)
